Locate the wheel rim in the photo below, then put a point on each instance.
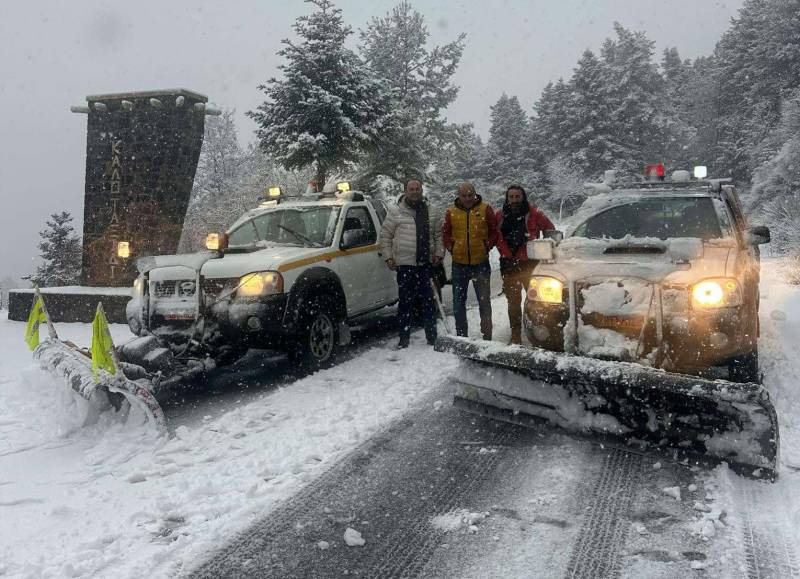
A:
(321, 337)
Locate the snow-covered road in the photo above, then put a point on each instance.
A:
(110, 500)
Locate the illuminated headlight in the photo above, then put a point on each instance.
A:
(545, 289)
(716, 293)
(260, 283)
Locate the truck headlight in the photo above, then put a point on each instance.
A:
(545, 289)
(716, 293)
(260, 283)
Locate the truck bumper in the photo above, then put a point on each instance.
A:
(256, 323)
(695, 340)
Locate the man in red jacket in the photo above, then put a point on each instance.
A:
(518, 222)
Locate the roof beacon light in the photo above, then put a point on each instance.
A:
(343, 186)
(700, 172)
(654, 172)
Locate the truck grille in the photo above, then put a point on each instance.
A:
(214, 288)
(165, 289)
(182, 288)
(186, 288)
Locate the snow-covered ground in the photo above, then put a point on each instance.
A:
(112, 500)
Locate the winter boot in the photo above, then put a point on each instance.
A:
(403, 343)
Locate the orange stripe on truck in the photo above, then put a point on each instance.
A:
(326, 257)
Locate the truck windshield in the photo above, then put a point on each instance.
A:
(662, 218)
(303, 226)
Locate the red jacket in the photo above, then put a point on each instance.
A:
(536, 223)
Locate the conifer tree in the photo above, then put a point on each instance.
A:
(507, 135)
(420, 80)
(60, 251)
(590, 141)
(328, 108)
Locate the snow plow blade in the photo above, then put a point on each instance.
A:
(686, 417)
(74, 368)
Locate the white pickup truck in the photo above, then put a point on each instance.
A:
(287, 275)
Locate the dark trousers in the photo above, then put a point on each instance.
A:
(414, 283)
(515, 283)
(480, 275)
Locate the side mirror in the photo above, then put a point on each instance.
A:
(554, 234)
(353, 238)
(757, 235)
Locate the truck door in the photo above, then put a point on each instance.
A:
(359, 265)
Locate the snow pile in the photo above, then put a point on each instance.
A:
(623, 297)
(458, 519)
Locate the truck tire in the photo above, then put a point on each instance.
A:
(316, 344)
(744, 368)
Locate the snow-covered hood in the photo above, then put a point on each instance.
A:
(268, 259)
(679, 260)
(177, 267)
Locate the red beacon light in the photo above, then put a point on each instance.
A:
(654, 172)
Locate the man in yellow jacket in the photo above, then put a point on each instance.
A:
(470, 231)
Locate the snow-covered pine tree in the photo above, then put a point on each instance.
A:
(462, 159)
(775, 194)
(565, 189)
(217, 194)
(591, 143)
(679, 132)
(60, 251)
(328, 107)
(420, 80)
(757, 66)
(635, 95)
(506, 145)
(551, 125)
(228, 181)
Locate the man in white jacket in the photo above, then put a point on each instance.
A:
(411, 244)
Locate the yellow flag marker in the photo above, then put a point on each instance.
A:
(103, 353)
(35, 319)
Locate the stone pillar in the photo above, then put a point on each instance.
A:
(142, 150)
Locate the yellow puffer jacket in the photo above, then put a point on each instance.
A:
(469, 234)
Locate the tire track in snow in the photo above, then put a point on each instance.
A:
(424, 465)
(596, 553)
(767, 552)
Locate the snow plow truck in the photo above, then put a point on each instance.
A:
(643, 321)
(288, 275)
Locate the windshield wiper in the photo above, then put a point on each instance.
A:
(300, 236)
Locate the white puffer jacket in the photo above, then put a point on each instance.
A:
(399, 233)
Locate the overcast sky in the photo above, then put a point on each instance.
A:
(54, 53)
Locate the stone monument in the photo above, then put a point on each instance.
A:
(142, 150)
